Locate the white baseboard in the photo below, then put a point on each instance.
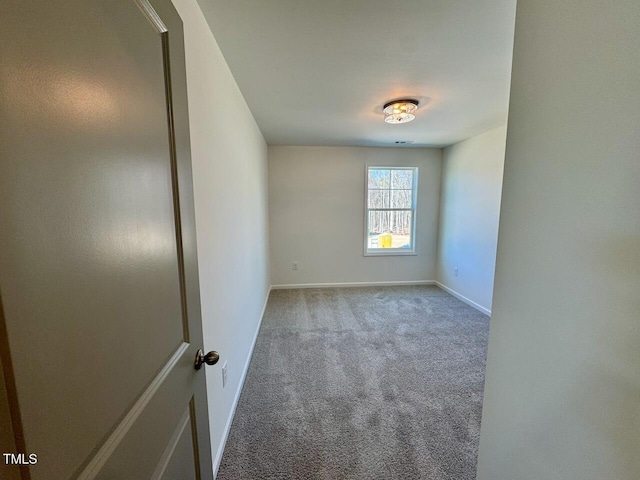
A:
(464, 299)
(353, 284)
(227, 427)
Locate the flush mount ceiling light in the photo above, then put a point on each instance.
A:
(400, 111)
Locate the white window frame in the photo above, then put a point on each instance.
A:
(377, 252)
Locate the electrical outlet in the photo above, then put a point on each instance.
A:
(224, 374)
(455, 272)
(294, 265)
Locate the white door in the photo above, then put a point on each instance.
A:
(100, 308)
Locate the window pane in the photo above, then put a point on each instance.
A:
(391, 229)
(379, 199)
(378, 223)
(401, 198)
(402, 179)
(379, 178)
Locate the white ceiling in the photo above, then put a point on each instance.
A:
(317, 72)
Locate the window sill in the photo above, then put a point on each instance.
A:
(389, 253)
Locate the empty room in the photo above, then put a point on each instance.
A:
(295, 240)
(386, 131)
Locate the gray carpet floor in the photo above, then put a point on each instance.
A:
(361, 383)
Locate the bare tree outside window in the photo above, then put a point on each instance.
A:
(390, 210)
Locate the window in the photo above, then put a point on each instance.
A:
(390, 214)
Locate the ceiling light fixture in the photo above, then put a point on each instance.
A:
(400, 111)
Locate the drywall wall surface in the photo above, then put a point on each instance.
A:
(469, 214)
(229, 158)
(562, 398)
(316, 214)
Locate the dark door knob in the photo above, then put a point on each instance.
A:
(210, 358)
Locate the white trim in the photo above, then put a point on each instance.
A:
(383, 252)
(387, 252)
(464, 299)
(353, 284)
(227, 427)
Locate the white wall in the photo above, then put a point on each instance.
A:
(316, 215)
(469, 214)
(230, 189)
(562, 398)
